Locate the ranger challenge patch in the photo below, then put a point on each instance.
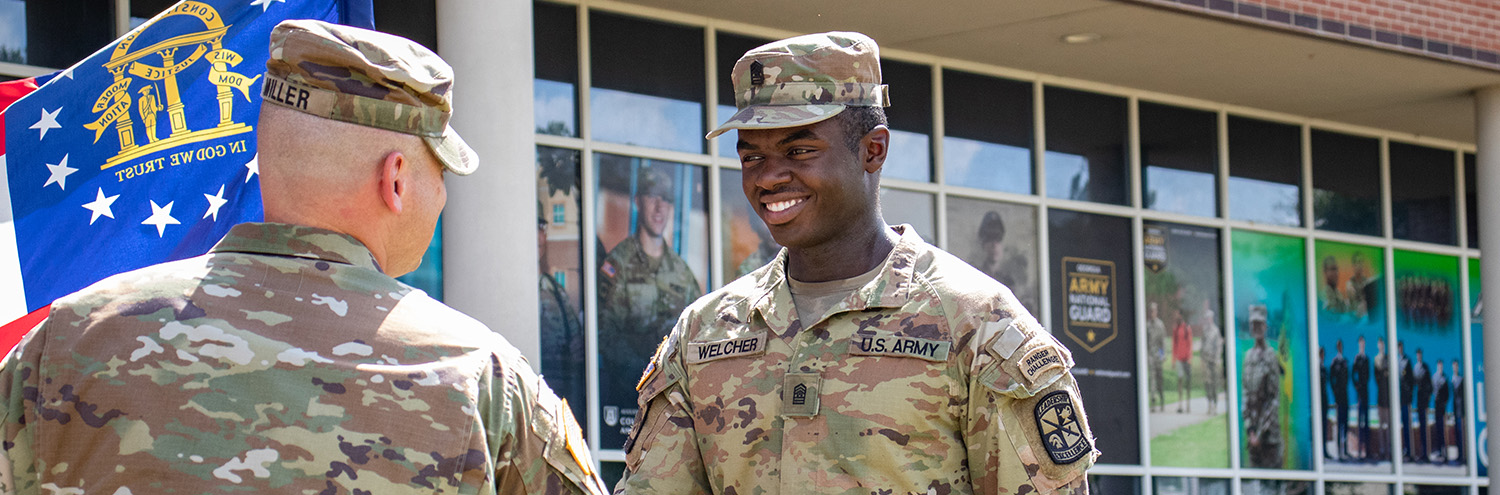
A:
(1062, 434)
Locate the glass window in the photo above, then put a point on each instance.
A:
(1275, 487)
(1346, 183)
(1168, 485)
(13, 37)
(1270, 321)
(1434, 490)
(653, 108)
(415, 20)
(730, 48)
(747, 243)
(55, 33)
(1093, 314)
(1000, 239)
(1471, 205)
(1475, 382)
(429, 276)
(555, 90)
(652, 227)
(1114, 485)
(988, 127)
(1265, 172)
(1429, 332)
(560, 259)
(1352, 323)
(1087, 141)
(1350, 488)
(1180, 159)
(1189, 419)
(1422, 189)
(910, 116)
(915, 208)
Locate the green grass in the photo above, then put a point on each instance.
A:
(1200, 445)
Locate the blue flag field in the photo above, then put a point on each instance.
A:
(142, 153)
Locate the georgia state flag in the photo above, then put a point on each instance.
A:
(142, 153)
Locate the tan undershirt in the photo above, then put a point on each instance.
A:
(814, 299)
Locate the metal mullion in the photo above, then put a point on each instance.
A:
(715, 190)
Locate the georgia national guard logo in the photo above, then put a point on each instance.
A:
(1061, 433)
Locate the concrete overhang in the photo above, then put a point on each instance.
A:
(1152, 49)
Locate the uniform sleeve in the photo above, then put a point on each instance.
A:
(17, 374)
(661, 454)
(1026, 429)
(534, 439)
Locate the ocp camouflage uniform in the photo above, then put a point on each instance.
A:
(1262, 414)
(640, 297)
(282, 361)
(932, 378)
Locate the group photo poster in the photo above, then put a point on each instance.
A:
(652, 259)
(1000, 239)
(1476, 341)
(1353, 358)
(1189, 419)
(1270, 321)
(1429, 338)
(1093, 314)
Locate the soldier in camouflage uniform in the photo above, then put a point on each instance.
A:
(643, 286)
(862, 359)
(1262, 382)
(287, 359)
(1156, 355)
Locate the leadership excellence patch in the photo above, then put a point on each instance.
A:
(1057, 424)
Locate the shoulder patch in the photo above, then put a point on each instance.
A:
(608, 269)
(1011, 337)
(1061, 433)
(1040, 360)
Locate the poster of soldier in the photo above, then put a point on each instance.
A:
(747, 243)
(1476, 336)
(1185, 346)
(1352, 357)
(653, 261)
(999, 239)
(1428, 327)
(1270, 345)
(1093, 315)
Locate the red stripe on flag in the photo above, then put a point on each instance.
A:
(10, 91)
(11, 333)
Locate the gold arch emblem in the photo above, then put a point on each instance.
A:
(175, 55)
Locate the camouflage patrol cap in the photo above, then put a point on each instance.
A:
(368, 78)
(805, 80)
(654, 182)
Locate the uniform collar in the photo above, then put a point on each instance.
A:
(296, 241)
(892, 288)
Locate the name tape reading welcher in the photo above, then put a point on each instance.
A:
(700, 352)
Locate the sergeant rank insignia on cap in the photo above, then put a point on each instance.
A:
(1057, 423)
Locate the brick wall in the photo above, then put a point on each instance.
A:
(1465, 31)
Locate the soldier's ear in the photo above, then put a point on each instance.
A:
(392, 184)
(873, 148)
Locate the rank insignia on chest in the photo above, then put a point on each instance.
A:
(800, 393)
(1061, 433)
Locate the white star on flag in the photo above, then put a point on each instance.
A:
(215, 201)
(101, 206)
(48, 121)
(68, 73)
(60, 173)
(161, 217)
(254, 166)
(264, 4)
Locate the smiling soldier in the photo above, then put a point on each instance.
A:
(861, 359)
